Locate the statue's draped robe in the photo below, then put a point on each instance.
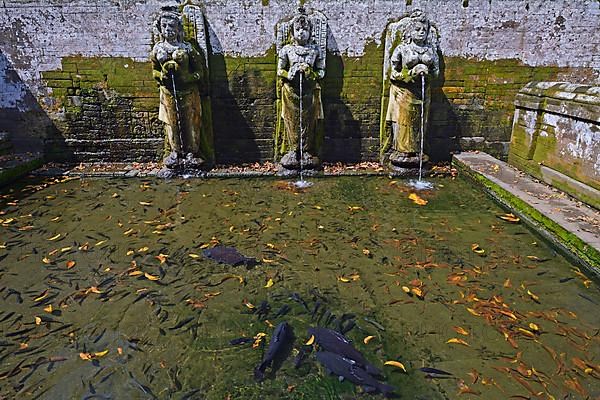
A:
(186, 108)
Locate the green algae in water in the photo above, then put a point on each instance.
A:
(141, 289)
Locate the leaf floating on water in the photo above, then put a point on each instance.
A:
(85, 356)
(533, 296)
(129, 232)
(136, 273)
(367, 252)
(48, 309)
(457, 341)
(38, 320)
(507, 283)
(42, 296)
(46, 260)
(101, 353)
(534, 327)
(367, 339)
(193, 255)
(70, 264)
(248, 304)
(100, 243)
(151, 277)
(406, 289)
(145, 203)
(417, 200)
(162, 258)
(464, 389)
(513, 219)
(344, 279)
(310, 341)
(92, 289)
(130, 252)
(396, 364)
(269, 283)
(537, 259)
(460, 330)
(258, 339)
(55, 237)
(477, 250)
(418, 292)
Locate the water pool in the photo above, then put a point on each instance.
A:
(106, 293)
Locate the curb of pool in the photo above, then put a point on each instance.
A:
(572, 226)
(14, 166)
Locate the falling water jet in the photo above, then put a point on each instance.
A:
(420, 184)
(301, 184)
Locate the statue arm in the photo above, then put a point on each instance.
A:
(157, 72)
(282, 64)
(396, 61)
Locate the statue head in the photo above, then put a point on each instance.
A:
(169, 25)
(301, 29)
(417, 29)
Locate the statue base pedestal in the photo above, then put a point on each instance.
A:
(290, 164)
(176, 165)
(405, 164)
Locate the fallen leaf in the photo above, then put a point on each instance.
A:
(477, 250)
(396, 364)
(311, 340)
(192, 255)
(70, 264)
(457, 341)
(48, 309)
(368, 339)
(145, 203)
(461, 330)
(151, 277)
(101, 353)
(269, 283)
(513, 219)
(55, 237)
(38, 320)
(417, 200)
(162, 258)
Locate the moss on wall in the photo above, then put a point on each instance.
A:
(473, 98)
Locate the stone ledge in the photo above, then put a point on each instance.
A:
(572, 226)
(14, 166)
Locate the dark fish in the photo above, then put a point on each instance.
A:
(302, 353)
(436, 371)
(282, 311)
(349, 369)
(583, 296)
(228, 255)
(182, 323)
(335, 342)
(242, 340)
(375, 324)
(314, 311)
(263, 309)
(347, 327)
(563, 280)
(296, 297)
(281, 335)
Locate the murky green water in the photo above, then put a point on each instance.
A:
(127, 276)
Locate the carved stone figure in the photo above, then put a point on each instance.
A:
(180, 68)
(414, 60)
(301, 45)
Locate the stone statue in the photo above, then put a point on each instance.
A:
(180, 69)
(301, 45)
(414, 60)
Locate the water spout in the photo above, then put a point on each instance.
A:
(420, 184)
(178, 116)
(301, 184)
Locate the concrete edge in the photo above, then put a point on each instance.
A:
(12, 173)
(571, 246)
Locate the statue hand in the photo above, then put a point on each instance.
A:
(170, 66)
(419, 69)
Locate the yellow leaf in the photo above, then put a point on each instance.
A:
(311, 340)
(136, 273)
(162, 258)
(269, 283)
(151, 277)
(205, 245)
(507, 283)
(396, 364)
(417, 200)
(405, 289)
(192, 255)
(130, 252)
(366, 252)
(269, 324)
(533, 296)
(418, 292)
(55, 219)
(268, 260)
(101, 353)
(457, 341)
(70, 264)
(66, 249)
(115, 195)
(249, 305)
(145, 203)
(53, 238)
(129, 232)
(41, 296)
(354, 277)
(534, 327)
(85, 356)
(318, 207)
(461, 331)
(475, 313)
(93, 289)
(343, 279)
(477, 250)
(38, 320)
(48, 309)
(100, 243)
(368, 339)
(46, 260)
(509, 218)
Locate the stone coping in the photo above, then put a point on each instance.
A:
(13, 166)
(570, 224)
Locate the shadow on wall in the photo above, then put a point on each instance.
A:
(21, 116)
(444, 125)
(342, 136)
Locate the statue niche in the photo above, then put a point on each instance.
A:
(179, 62)
(301, 49)
(411, 62)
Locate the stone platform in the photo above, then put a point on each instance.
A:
(570, 224)
(13, 166)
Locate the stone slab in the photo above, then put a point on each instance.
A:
(573, 226)
(13, 166)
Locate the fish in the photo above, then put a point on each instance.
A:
(334, 342)
(281, 335)
(296, 297)
(182, 323)
(262, 311)
(435, 371)
(242, 340)
(282, 311)
(228, 255)
(315, 309)
(375, 324)
(347, 327)
(302, 353)
(346, 368)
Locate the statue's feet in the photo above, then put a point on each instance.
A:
(290, 161)
(172, 161)
(191, 162)
(309, 161)
(406, 160)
